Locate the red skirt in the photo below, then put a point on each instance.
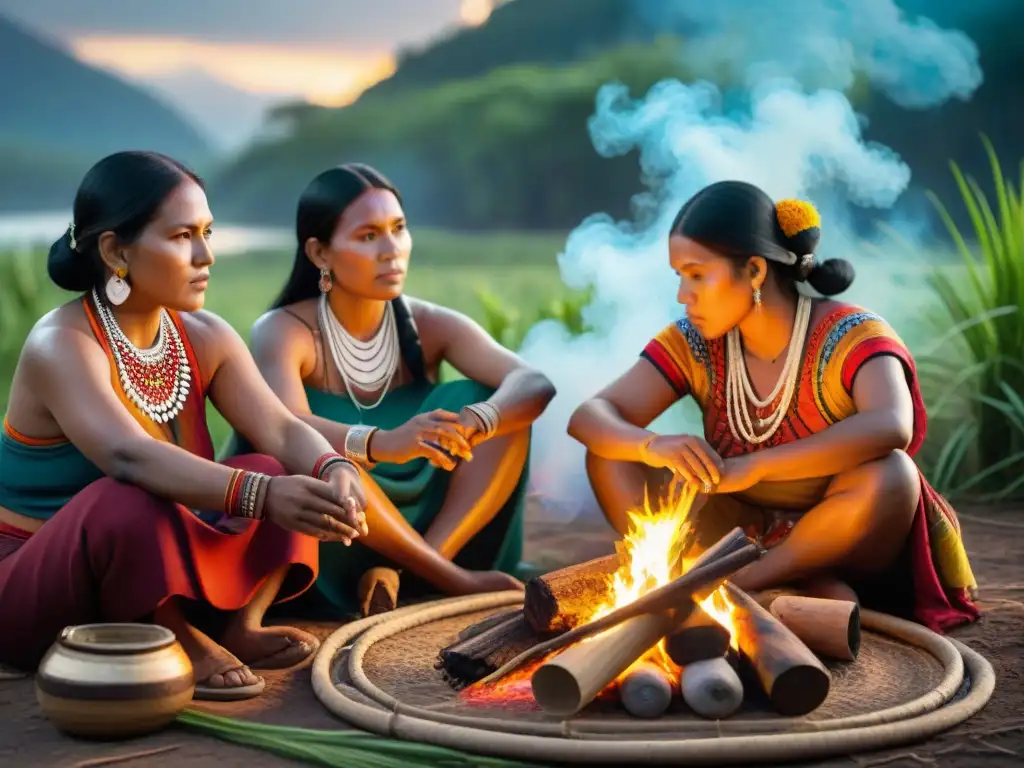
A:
(116, 552)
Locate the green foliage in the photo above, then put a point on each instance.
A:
(508, 324)
(335, 748)
(978, 375)
(22, 302)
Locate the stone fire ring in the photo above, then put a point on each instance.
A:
(951, 684)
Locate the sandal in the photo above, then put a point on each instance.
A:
(205, 692)
(378, 591)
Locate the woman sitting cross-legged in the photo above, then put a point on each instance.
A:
(358, 360)
(111, 505)
(812, 413)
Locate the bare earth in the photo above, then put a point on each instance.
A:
(995, 737)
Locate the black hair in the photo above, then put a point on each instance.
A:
(121, 194)
(739, 220)
(320, 206)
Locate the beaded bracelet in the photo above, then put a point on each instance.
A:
(244, 491)
(488, 416)
(328, 460)
(357, 444)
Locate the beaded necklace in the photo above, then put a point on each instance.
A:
(157, 379)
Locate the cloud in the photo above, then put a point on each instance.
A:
(352, 25)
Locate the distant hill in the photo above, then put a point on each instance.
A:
(67, 115)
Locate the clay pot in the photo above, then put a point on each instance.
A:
(114, 680)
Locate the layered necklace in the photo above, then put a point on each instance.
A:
(157, 379)
(740, 397)
(370, 365)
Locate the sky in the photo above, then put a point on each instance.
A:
(223, 62)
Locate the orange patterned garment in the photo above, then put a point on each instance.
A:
(842, 341)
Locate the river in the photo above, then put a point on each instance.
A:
(39, 229)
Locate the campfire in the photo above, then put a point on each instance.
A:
(651, 625)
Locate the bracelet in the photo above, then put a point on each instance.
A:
(231, 492)
(357, 444)
(328, 460)
(488, 416)
(244, 490)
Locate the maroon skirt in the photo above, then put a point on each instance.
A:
(116, 552)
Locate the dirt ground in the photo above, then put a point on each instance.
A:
(994, 737)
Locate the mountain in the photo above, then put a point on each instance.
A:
(53, 101)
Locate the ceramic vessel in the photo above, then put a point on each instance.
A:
(114, 680)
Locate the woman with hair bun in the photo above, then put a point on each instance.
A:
(811, 411)
(112, 507)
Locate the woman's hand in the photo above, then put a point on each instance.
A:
(437, 436)
(686, 455)
(740, 473)
(472, 429)
(348, 485)
(314, 507)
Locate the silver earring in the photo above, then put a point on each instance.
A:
(325, 281)
(117, 288)
(757, 298)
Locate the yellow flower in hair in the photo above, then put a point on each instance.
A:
(796, 216)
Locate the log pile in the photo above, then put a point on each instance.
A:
(710, 653)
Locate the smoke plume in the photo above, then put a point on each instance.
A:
(796, 134)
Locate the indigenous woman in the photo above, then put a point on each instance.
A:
(359, 361)
(812, 412)
(105, 451)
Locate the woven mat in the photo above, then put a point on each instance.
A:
(887, 673)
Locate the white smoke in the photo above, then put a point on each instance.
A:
(788, 139)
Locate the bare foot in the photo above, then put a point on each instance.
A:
(477, 582)
(213, 665)
(269, 647)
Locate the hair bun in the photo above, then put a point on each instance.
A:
(69, 269)
(832, 276)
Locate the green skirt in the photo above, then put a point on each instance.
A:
(416, 488)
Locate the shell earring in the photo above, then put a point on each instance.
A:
(757, 298)
(117, 288)
(325, 281)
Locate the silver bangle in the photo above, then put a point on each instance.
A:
(357, 444)
(488, 415)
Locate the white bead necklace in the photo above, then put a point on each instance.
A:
(156, 380)
(739, 392)
(371, 365)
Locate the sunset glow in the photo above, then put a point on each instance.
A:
(473, 13)
(322, 76)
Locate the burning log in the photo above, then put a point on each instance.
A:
(794, 679)
(481, 626)
(567, 683)
(467, 660)
(700, 637)
(646, 691)
(711, 688)
(562, 599)
(674, 597)
(828, 627)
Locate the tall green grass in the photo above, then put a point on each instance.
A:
(977, 373)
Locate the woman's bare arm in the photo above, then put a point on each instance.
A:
(521, 392)
(71, 375)
(612, 424)
(246, 401)
(884, 422)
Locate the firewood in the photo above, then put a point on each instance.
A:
(568, 682)
(493, 620)
(466, 661)
(674, 599)
(794, 679)
(711, 688)
(699, 637)
(828, 627)
(562, 599)
(646, 690)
